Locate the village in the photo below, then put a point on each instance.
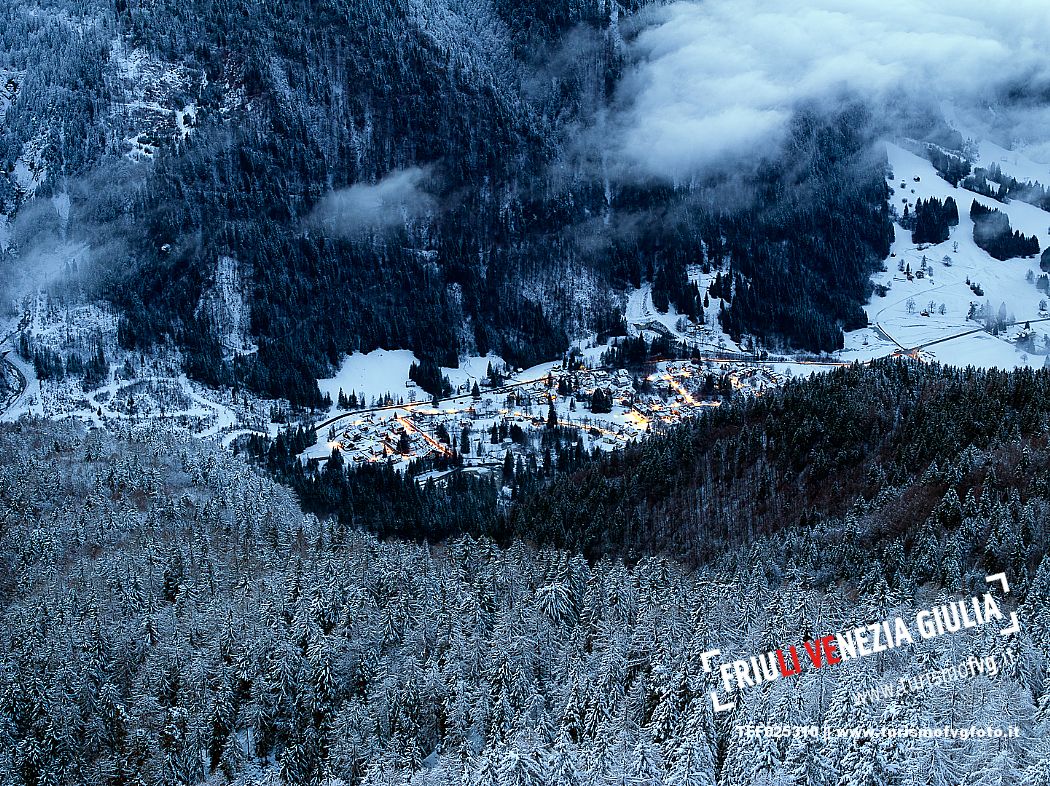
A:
(480, 424)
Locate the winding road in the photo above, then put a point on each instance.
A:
(17, 372)
(911, 350)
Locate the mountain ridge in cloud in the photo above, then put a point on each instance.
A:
(713, 82)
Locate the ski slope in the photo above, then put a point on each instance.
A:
(897, 321)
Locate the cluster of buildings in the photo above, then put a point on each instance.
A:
(483, 428)
(755, 380)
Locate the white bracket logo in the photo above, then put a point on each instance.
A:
(1015, 623)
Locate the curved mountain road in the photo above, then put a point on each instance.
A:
(23, 382)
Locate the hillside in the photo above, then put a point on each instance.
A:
(400, 179)
(952, 300)
(524, 393)
(894, 447)
(887, 443)
(171, 616)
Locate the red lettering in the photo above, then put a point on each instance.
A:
(813, 649)
(830, 650)
(784, 670)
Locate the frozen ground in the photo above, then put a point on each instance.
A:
(472, 369)
(385, 371)
(148, 389)
(642, 318)
(371, 375)
(909, 316)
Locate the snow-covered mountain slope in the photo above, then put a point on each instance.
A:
(706, 334)
(1013, 162)
(941, 304)
(152, 100)
(225, 305)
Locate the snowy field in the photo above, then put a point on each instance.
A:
(910, 315)
(472, 369)
(384, 372)
(371, 376)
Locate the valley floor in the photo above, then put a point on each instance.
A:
(936, 305)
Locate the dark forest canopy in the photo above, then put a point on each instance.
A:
(856, 438)
(992, 182)
(951, 166)
(887, 441)
(932, 220)
(993, 233)
(298, 103)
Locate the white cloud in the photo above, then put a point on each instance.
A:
(397, 198)
(714, 80)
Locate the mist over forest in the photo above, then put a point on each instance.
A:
(522, 145)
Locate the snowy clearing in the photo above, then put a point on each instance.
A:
(910, 315)
(371, 375)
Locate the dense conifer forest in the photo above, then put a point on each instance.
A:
(993, 233)
(499, 230)
(846, 441)
(993, 183)
(932, 220)
(170, 615)
(242, 192)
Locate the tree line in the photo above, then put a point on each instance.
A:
(993, 233)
